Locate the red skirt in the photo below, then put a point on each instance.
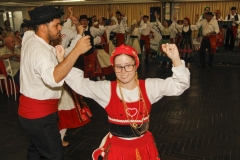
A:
(115, 148)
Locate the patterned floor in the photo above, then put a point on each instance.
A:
(201, 124)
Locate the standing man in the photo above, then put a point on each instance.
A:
(145, 27)
(209, 28)
(231, 33)
(41, 79)
(120, 32)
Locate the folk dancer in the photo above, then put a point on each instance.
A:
(120, 31)
(166, 29)
(41, 79)
(185, 45)
(134, 38)
(231, 33)
(210, 28)
(127, 102)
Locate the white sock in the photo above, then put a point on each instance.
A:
(63, 132)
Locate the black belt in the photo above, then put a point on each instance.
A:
(133, 36)
(127, 131)
(99, 46)
(166, 37)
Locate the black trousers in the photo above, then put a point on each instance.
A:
(142, 43)
(229, 35)
(45, 138)
(206, 45)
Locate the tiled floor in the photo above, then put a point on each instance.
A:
(200, 124)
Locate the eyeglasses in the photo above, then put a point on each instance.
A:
(127, 68)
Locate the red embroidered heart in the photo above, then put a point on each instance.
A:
(132, 111)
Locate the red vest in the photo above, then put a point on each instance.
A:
(116, 111)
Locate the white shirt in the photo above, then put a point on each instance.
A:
(145, 28)
(122, 26)
(95, 31)
(38, 61)
(72, 45)
(109, 29)
(68, 34)
(232, 18)
(68, 24)
(207, 27)
(156, 88)
(166, 31)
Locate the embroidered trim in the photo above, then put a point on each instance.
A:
(127, 121)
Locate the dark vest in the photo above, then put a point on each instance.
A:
(80, 61)
(235, 17)
(87, 32)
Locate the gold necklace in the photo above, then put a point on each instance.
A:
(134, 125)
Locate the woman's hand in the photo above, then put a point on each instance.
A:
(59, 53)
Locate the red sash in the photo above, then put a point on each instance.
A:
(147, 41)
(120, 39)
(92, 67)
(33, 108)
(213, 41)
(234, 28)
(220, 38)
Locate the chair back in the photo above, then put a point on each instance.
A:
(2, 68)
(8, 67)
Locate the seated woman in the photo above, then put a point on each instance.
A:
(128, 101)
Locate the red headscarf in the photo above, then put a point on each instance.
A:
(123, 49)
(187, 20)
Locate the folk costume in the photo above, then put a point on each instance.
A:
(134, 39)
(166, 31)
(120, 31)
(231, 33)
(185, 45)
(208, 42)
(38, 103)
(129, 110)
(220, 35)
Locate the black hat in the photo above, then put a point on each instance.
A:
(209, 13)
(119, 13)
(233, 8)
(83, 17)
(43, 14)
(145, 16)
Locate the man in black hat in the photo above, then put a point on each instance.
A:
(41, 79)
(92, 32)
(232, 32)
(209, 29)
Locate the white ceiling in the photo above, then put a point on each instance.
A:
(17, 3)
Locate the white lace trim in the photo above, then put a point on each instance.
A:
(127, 121)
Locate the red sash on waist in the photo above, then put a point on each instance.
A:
(147, 41)
(213, 41)
(120, 39)
(234, 29)
(33, 108)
